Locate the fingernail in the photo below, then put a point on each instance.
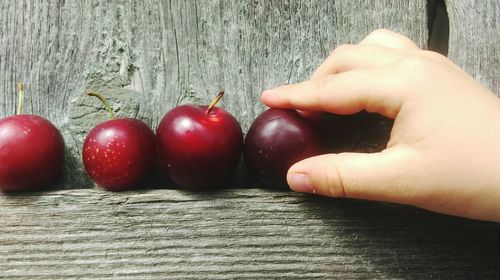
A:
(300, 182)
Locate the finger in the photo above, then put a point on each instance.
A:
(378, 176)
(389, 39)
(376, 90)
(349, 57)
(313, 115)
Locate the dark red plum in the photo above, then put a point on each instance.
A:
(276, 140)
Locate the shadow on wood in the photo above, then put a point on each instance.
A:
(396, 241)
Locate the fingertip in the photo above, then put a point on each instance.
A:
(276, 97)
(299, 182)
(299, 178)
(266, 94)
(269, 97)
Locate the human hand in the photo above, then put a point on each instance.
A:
(444, 150)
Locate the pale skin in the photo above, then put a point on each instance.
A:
(443, 153)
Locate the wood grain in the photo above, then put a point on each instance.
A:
(475, 39)
(244, 234)
(149, 56)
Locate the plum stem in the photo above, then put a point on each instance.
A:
(20, 97)
(214, 102)
(104, 101)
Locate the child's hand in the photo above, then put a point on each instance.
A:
(444, 150)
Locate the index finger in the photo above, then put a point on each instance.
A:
(371, 89)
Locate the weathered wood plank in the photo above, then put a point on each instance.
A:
(475, 39)
(235, 234)
(149, 56)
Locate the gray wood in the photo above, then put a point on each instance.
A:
(149, 56)
(475, 39)
(254, 234)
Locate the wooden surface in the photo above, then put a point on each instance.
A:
(149, 56)
(243, 234)
(475, 39)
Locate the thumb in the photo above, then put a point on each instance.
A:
(382, 176)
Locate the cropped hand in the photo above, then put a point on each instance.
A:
(444, 150)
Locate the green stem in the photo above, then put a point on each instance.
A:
(20, 97)
(214, 102)
(104, 101)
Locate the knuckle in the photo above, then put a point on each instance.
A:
(320, 84)
(416, 64)
(335, 177)
(434, 56)
(380, 32)
(421, 67)
(321, 89)
(342, 49)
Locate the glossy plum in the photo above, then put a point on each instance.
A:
(31, 153)
(276, 140)
(120, 154)
(199, 148)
